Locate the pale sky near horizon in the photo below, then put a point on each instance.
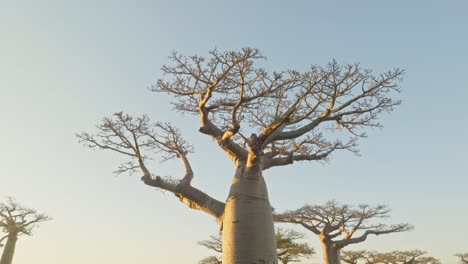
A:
(66, 64)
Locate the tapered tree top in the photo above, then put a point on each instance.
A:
(342, 224)
(16, 220)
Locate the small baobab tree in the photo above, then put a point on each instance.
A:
(352, 257)
(289, 249)
(16, 220)
(415, 256)
(339, 225)
(374, 257)
(214, 243)
(261, 120)
(211, 260)
(463, 257)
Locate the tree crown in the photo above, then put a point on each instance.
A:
(287, 115)
(18, 220)
(414, 256)
(339, 223)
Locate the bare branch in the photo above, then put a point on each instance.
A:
(138, 138)
(18, 220)
(233, 97)
(380, 231)
(3, 238)
(415, 256)
(338, 223)
(211, 260)
(288, 247)
(310, 148)
(352, 257)
(221, 81)
(214, 243)
(366, 104)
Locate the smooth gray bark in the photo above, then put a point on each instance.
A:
(248, 231)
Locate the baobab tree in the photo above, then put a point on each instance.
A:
(352, 257)
(211, 260)
(289, 249)
(415, 256)
(16, 220)
(374, 257)
(261, 120)
(339, 225)
(214, 243)
(463, 257)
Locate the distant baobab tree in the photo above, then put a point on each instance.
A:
(463, 257)
(211, 260)
(16, 220)
(352, 257)
(261, 120)
(214, 243)
(339, 225)
(289, 249)
(415, 256)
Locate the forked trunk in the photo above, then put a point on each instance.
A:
(331, 254)
(248, 232)
(9, 250)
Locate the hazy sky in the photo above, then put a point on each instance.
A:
(66, 64)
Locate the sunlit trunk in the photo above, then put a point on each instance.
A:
(248, 232)
(9, 250)
(331, 254)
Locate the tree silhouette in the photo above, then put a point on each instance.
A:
(339, 225)
(16, 220)
(211, 260)
(352, 257)
(289, 250)
(415, 256)
(261, 120)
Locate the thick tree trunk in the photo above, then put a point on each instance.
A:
(331, 253)
(9, 250)
(248, 231)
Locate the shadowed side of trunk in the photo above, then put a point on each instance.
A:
(331, 253)
(9, 250)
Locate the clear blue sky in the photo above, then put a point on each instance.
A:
(66, 64)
